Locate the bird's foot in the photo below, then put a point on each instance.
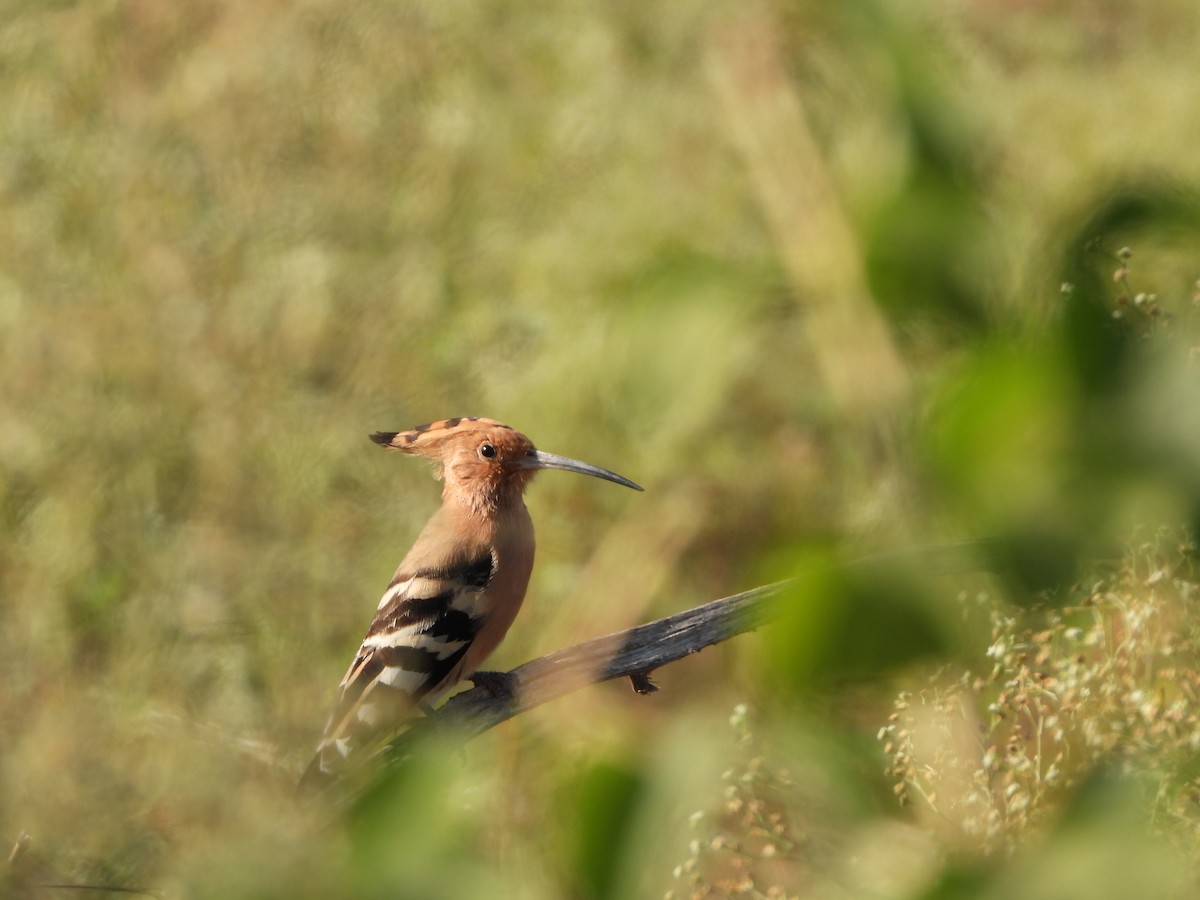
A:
(426, 710)
(501, 685)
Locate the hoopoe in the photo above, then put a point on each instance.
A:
(457, 591)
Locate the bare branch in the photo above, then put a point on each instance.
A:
(633, 654)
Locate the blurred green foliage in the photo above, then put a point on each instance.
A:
(238, 237)
(605, 804)
(839, 623)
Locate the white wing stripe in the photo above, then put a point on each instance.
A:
(401, 637)
(402, 679)
(411, 637)
(439, 647)
(392, 593)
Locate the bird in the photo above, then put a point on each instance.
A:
(456, 592)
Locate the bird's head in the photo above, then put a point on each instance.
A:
(485, 463)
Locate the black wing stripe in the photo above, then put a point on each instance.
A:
(404, 612)
(455, 625)
(411, 659)
(478, 574)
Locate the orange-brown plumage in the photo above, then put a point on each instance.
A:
(458, 589)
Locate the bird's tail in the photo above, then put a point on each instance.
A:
(326, 769)
(316, 778)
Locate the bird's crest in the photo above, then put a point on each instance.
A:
(429, 439)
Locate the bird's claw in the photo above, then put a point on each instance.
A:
(500, 685)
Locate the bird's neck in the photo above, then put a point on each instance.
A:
(497, 502)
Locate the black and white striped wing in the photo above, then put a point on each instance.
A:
(425, 624)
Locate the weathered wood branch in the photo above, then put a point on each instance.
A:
(633, 654)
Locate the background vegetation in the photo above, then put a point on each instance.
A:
(831, 282)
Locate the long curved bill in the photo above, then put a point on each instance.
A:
(539, 460)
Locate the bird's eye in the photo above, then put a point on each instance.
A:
(487, 451)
